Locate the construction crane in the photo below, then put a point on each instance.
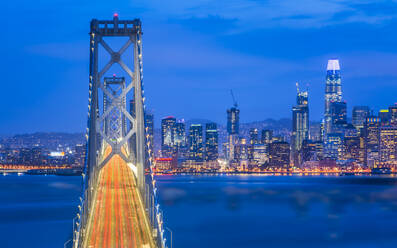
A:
(234, 99)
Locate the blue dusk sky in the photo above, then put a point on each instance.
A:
(194, 52)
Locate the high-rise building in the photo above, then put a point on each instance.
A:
(300, 126)
(211, 142)
(338, 114)
(279, 152)
(180, 135)
(334, 146)
(79, 155)
(167, 136)
(333, 92)
(312, 150)
(233, 121)
(254, 138)
(388, 146)
(196, 150)
(267, 136)
(371, 134)
(359, 115)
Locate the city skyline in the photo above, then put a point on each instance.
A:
(207, 55)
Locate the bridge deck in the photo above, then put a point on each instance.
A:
(117, 218)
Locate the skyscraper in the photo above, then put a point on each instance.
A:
(279, 152)
(196, 143)
(359, 115)
(233, 121)
(333, 92)
(211, 142)
(180, 135)
(388, 146)
(167, 136)
(371, 141)
(267, 136)
(254, 138)
(300, 125)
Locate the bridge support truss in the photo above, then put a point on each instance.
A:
(108, 126)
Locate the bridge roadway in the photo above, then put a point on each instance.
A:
(117, 218)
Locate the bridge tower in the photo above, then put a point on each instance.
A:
(111, 125)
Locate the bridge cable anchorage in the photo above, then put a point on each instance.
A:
(118, 148)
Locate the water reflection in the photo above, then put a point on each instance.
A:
(260, 211)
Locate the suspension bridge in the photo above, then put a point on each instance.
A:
(118, 206)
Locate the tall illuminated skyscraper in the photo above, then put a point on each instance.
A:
(167, 136)
(180, 134)
(233, 120)
(333, 92)
(300, 125)
(196, 150)
(211, 142)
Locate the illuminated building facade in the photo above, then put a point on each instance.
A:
(254, 137)
(384, 116)
(196, 149)
(233, 121)
(267, 136)
(334, 146)
(359, 115)
(338, 115)
(211, 142)
(312, 150)
(180, 136)
(388, 146)
(167, 136)
(279, 154)
(260, 154)
(300, 126)
(371, 137)
(333, 92)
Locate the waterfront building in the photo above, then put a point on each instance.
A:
(333, 148)
(388, 146)
(279, 154)
(312, 150)
(260, 154)
(79, 154)
(359, 114)
(333, 92)
(353, 149)
(196, 149)
(211, 142)
(167, 136)
(300, 126)
(163, 164)
(371, 139)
